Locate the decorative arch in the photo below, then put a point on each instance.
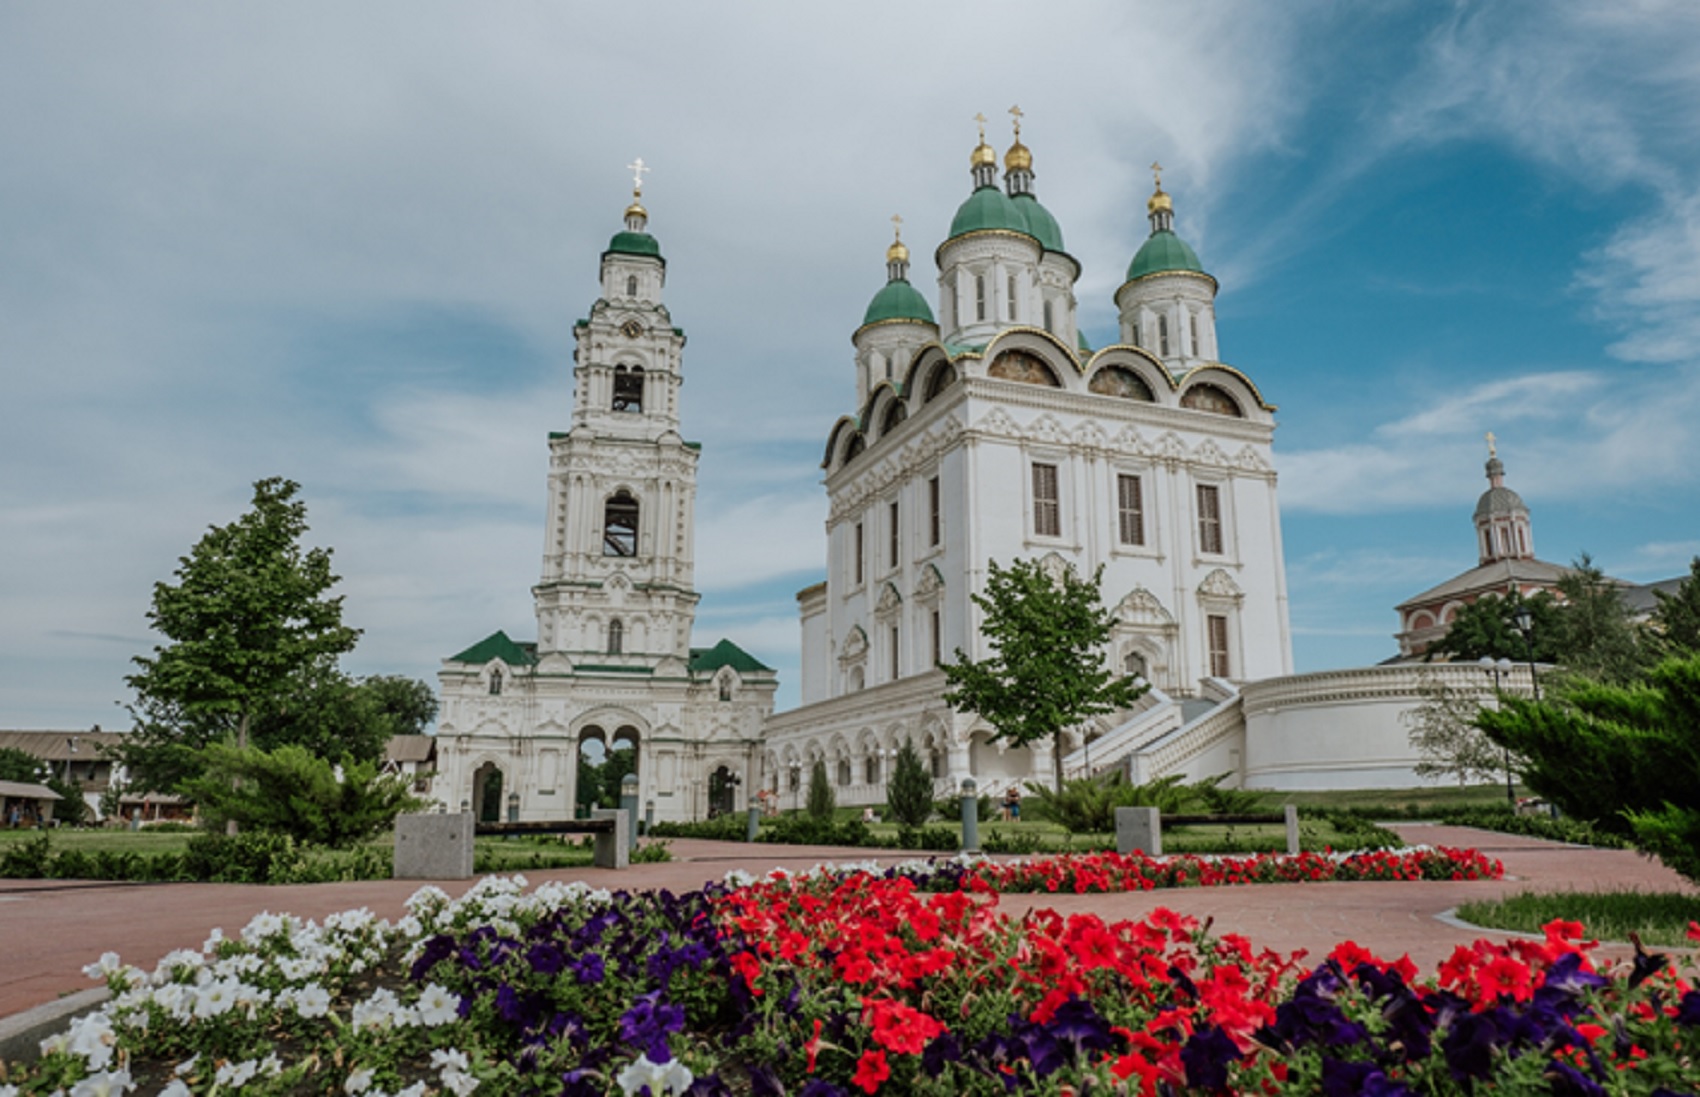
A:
(1121, 382)
(1203, 396)
(893, 415)
(835, 440)
(628, 389)
(1231, 381)
(620, 524)
(1023, 367)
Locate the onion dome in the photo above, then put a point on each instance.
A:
(897, 300)
(988, 208)
(1019, 157)
(1498, 499)
(635, 239)
(1163, 251)
(1040, 224)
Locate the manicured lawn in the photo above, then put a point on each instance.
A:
(115, 841)
(1396, 803)
(1660, 918)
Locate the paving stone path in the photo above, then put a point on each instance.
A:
(49, 929)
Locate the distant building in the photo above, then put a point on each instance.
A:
(76, 757)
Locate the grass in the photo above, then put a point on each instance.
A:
(1660, 918)
(1395, 803)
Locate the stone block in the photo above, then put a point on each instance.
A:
(1292, 813)
(613, 850)
(1139, 829)
(433, 847)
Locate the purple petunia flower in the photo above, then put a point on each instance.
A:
(1206, 1055)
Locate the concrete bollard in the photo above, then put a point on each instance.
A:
(752, 824)
(970, 816)
(629, 805)
(1292, 813)
(613, 850)
(433, 847)
(1139, 829)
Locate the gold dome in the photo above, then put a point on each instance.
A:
(1159, 201)
(1018, 158)
(636, 210)
(983, 154)
(897, 253)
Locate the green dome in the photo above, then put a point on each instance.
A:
(634, 243)
(1164, 251)
(897, 300)
(988, 208)
(1040, 224)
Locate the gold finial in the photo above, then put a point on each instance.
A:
(981, 119)
(1018, 158)
(898, 252)
(983, 153)
(1158, 199)
(1493, 450)
(1015, 111)
(897, 225)
(1157, 175)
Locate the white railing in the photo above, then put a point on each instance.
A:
(1152, 715)
(1166, 755)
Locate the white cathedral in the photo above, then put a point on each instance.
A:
(986, 431)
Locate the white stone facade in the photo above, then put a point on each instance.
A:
(615, 600)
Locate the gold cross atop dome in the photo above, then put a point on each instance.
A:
(898, 252)
(981, 119)
(1016, 113)
(1493, 450)
(638, 168)
(897, 225)
(1157, 174)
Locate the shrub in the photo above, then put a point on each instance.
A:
(291, 791)
(822, 803)
(909, 796)
(725, 828)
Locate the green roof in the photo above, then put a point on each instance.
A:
(1080, 340)
(634, 243)
(498, 646)
(898, 300)
(725, 654)
(988, 208)
(1164, 251)
(1040, 224)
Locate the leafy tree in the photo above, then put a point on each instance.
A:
(249, 624)
(821, 803)
(1623, 757)
(1676, 619)
(1484, 628)
(1443, 731)
(20, 765)
(1596, 635)
(1047, 671)
(293, 791)
(331, 714)
(71, 810)
(909, 793)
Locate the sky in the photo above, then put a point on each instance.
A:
(346, 244)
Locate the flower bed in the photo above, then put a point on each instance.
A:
(907, 980)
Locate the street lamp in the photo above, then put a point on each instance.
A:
(1524, 622)
(1499, 670)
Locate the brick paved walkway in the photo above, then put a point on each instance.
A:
(49, 929)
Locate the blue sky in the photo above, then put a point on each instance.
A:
(347, 246)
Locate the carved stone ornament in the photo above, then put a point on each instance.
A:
(855, 645)
(1220, 585)
(1054, 567)
(1142, 609)
(890, 601)
(930, 584)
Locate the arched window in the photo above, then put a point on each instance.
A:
(895, 413)
(628, 388)
(1163, 335)
(979, 297)
(1197, 352)
(843, 771)
(1117, 381)
(1135, 334)
(496, 682)
(725, 689)
(1012, 297)
(1211, 398)
(616, 636)
(871, 768)
(619, 526)
(942, 378)
(1020, 365)
(631, 285)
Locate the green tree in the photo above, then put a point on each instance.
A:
(71, 810)
(909, 793)
(1443, 731)
(1596, 634)
(1046, 672)
(20, 765)
(293, 791)
(1623, 757)
(1484, 628)
(249, 623)
(331, 714)
(1676, 618)
(821, 803)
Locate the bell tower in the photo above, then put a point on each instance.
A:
(617, 577)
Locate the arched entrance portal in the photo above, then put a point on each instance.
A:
(603, 762)
(722, 792)
(487, 793)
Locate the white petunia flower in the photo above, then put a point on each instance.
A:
(417, 1089)
(176, 1088)
(107, 1084)
(187, 1066)
(358, 1082)
(663, 1079)
(311, 1001)
(92, 1038)
(437, 1006)
(8, 1091)
(214, 939)
(106, 965)
(236, 1074)
(216, 998)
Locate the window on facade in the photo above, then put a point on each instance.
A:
(1130, 510)
(1135, 334)
(1047, 504)
(1196, 350)
(843, 771)
(1049, 326)
(628, 388)
(935, 758)
(616, 636)
(1210, 519)
(871, 768)
(896, 663)
(796, 777)
(1163, 335)
(860, 555)
(495, 683)
(1133, 665)
(1217, 626)
(619, 526)
(934, 523)
(631, 285)
(942, 378)
(979, 297)
(725, 689)
(938, 640)
(1012, 297)
(891, 516)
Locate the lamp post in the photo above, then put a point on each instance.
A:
(1498, 670)
(1524, 622)
(71, 748)
(796, 786)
